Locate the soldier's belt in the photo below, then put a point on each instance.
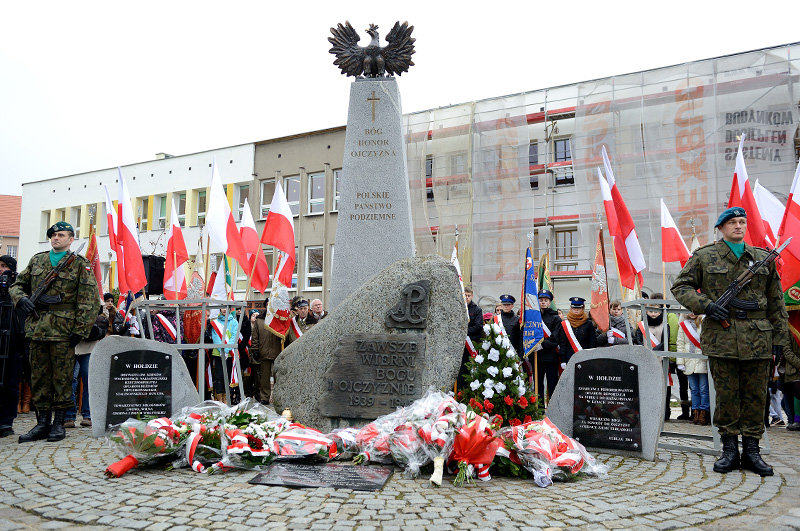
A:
(60, 307)
(742, 314)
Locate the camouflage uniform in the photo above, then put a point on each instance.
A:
(51, 357)
(739, 357)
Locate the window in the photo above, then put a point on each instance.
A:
(292, 185)
(11, 250)
(45, 225)
(458, 163)
(566, 248)
(316, 193)
(201, 207)
(533, 153)
(182, 209)
(144, 204)
(337, 174)
(314, 263)
(563, 153)
(294, 271)
(161, 213)
(267, 191)
(243, 192)
(75, 220)
(429, 177)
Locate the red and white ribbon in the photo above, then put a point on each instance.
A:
(576, 346)
(653, 340)
(234, 376)
(483, 472)
(691, 332)
(546, 330)
(295, 328)
(167, 326)
(617, 332)
(209, 378)
(470, 347)
(216, 325)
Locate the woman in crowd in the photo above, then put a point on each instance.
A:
(577, 331)
(696, 369)
(791, 380)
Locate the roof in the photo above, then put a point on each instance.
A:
(10, 210)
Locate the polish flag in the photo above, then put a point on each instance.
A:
(111, 216)
(627, 273)
(220, 224)
(742, 196)
(252, 246)
(174, 274)
(673, 248)
(279, 232)
(771, 210)
(790, 226)
(128, 240)
(626, 227)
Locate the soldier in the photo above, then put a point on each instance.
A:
(61, 324)
(739, 356)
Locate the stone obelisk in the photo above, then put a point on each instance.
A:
(374, 226)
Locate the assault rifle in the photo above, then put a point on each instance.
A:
(38, 296)
(729, 297)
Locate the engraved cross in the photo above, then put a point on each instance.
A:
(373, 100)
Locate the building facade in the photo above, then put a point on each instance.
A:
(10, 209)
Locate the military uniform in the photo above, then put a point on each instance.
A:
(739, 357)
(52, 358)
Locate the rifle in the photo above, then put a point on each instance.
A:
(729, 296)
(39, 292)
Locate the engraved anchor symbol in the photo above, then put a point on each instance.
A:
(407, 310)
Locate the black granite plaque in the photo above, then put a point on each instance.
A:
(140, 384)
(373, 374)
(353, 477)
(606, 408)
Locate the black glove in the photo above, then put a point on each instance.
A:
(96, 333)
(715, 311)
(25, 305)
(74, 339)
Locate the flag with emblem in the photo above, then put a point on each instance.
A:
(599, 303)
(532, 328)
(94, 259)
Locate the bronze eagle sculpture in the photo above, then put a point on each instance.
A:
(372, 60)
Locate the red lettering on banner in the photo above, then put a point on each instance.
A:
(690, 151)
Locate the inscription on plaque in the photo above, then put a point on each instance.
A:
(140, 384)
(412, 310)
(606, 407)
(373, 374)
(369, 478)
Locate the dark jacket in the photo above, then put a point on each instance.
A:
(586, 335)
(549, 352)
(475, 326)
(511, 324)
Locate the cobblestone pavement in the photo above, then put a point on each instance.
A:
(61, 486)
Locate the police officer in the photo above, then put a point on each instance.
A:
(510, 320)
(72, 306)
(739, 356)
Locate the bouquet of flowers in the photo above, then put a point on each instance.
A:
(373, 439)
(297, 440)
(343, 443)
(474, 448)
(250, 430)
(547, 453)
(145, 443)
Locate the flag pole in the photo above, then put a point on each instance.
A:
(663, 277)
(175, 273)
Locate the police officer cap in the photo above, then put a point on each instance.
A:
(61, 225)
(577, 302)
(545, 294)
(733, 212)
(9, 261)
(301, 303)
(507, 299)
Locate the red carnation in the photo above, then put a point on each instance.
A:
(515, 422)
(532, 399)
(508, 400)
(523, 402)
(488, 405)
(527, 419)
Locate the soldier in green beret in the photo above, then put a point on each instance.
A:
(65, 317)
(739, 356)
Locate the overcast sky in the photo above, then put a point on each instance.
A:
(92, 85)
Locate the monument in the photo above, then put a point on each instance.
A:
(374, 225)
(130, 377)
(612, 400)
(399, 334)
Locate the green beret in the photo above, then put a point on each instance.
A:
(733, 212)
(61, 225)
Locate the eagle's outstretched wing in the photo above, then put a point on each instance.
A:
(349, 55)
(397, 54)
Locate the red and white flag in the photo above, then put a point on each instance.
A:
(691, 332)
(128, 240)
(790, 226)
(174, 274)
(252, 247)
(771, 210)
(653, 340)
(111, 217)
(627, 230)
(742, 196)
(279, 233)
(627, 273)
(220, 225)
(616, 332)
(673, 248)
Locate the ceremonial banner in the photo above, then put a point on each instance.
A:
(532, 329)
(599, 303)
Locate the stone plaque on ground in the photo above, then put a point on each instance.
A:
(130, 376)
(373, 372)
(605, 411)
(369, 478)
(322, 377)
(606, 407)
(373, 228)
(139, 383)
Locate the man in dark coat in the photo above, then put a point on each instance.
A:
(510, 320)
(547, 358)
(474, 331)
(576, 332)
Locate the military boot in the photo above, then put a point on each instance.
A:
(41, 430)
(751, 457)
(729, 460)
(57, 431)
